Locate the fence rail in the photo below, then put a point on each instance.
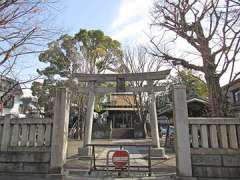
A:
(130, 167)
(215, 132)
(20, 133)
(225, 121)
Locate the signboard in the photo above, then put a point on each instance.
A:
(120, 159)
(120, 85)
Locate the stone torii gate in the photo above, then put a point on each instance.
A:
(94, 79)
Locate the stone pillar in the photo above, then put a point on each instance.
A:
(84, 151)
(154, 121)
(6, 133)
(180, 113)
(157, 151)
(60, 130)
(89, 118)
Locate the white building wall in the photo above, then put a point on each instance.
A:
(15, 109)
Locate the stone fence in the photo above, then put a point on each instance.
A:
(25, 145)
(36, 145)
(206, 148)
(215, 147)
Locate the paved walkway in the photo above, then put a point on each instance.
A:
(76, 167)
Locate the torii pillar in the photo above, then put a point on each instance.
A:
(85, 150)
(157, 151)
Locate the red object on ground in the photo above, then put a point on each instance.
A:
(120, 158)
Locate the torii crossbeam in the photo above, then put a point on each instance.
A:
(92, 89)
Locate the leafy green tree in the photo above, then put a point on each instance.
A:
(88, 51)
(100, 51)
(195, 86)
(45, 92)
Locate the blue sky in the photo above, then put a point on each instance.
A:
(124, 20)
(93, 14)
(127, 21)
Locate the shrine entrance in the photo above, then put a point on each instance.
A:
(93, 88)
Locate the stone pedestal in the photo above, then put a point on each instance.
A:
(158, 153)
(84, 151)
(184, 178)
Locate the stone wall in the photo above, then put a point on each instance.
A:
(214, 165)
(24, 162)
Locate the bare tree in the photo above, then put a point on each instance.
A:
(212, 31)
(236, 2)
(137, 60)
(22, 29)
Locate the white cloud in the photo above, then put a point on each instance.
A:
(130, 32)
(132, 21)
(130, 9)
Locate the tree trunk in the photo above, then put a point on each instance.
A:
(145, 129)
(215, 98)
(142, 116)
(143, 123)
(139, 114)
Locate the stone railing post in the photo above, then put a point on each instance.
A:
(6, 133)
(60, 129)
(180, 113)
